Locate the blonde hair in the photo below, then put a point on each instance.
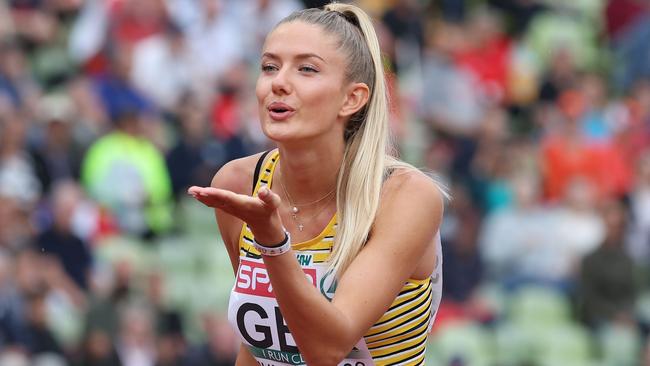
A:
(366, 161)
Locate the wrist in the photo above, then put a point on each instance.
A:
(269, 235)
(274, 249)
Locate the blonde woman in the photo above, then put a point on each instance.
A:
(336, 252)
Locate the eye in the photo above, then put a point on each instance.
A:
(269, 67)
(307, 68)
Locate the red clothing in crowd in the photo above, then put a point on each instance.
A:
(601, 164)
(490, 63)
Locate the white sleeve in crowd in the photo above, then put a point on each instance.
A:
(89, 31)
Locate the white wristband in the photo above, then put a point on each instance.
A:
(281, 248)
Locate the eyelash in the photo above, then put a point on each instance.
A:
(308, 68)
(268, 68)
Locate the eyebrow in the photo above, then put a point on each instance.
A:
(298, 56)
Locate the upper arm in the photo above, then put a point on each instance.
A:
(406, 224)
(235, 176)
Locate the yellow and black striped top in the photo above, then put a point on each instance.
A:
(399, 337)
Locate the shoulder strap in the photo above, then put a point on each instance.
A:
(258, 167)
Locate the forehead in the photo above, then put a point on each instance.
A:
(298, 37)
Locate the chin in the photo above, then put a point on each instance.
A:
(278, 131)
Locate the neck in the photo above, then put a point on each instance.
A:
(310, 171)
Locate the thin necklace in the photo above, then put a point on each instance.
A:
(317, 211)
(294, 206)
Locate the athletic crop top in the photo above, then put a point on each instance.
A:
(398, 338)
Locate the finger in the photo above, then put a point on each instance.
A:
(209, 196)
(271, 200)
(229, 198)
(193, 190)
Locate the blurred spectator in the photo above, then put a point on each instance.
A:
(136, 337)
(596, 122)
(228, 114)
(486, 53)
(578, 229)
(38, 338)
(607, 287)
(98, 350)
(18, 88)
(88, 34)
(515, 241)
(50, 61)
(57, 156)
(60, 240)
(108, 298)
(116, 90)
(628, 27)
(567, 27)
(220, 348)
(163, 54)
(126, 173)
(11, 312)
(132, 21)
(561, 75)
(567, 154)
(40, 286)
(92, 119)
(16, 229)
(215, 42)
(195, 157)
(463, 267)
(405, 24)
(17, 176)
(493, 161)
(171, 343)
(450, 100)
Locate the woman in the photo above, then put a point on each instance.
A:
(362, 225)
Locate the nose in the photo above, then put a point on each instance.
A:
(281, 84)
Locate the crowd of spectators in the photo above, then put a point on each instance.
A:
(534, 113)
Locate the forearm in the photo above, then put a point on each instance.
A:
(244, 357)
(322, 332)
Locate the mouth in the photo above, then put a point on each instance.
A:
(280, 111)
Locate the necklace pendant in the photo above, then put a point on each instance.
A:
(300, 227)
(294, 209)
(294, 216)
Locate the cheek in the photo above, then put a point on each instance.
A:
(325, 101)
(261, 89)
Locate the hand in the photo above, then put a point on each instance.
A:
(260, 213)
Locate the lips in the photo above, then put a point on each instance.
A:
(279, 111)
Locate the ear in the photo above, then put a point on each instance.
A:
(356, 98)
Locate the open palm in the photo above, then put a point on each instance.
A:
(255, 211)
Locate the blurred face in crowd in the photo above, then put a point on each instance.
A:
(302, 86)
(614, 216)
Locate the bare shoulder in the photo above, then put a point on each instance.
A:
(237, 175)
(410, 197)
(411, 186)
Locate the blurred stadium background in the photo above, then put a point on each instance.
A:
(535, 113)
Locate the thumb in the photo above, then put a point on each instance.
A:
(270, 199)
